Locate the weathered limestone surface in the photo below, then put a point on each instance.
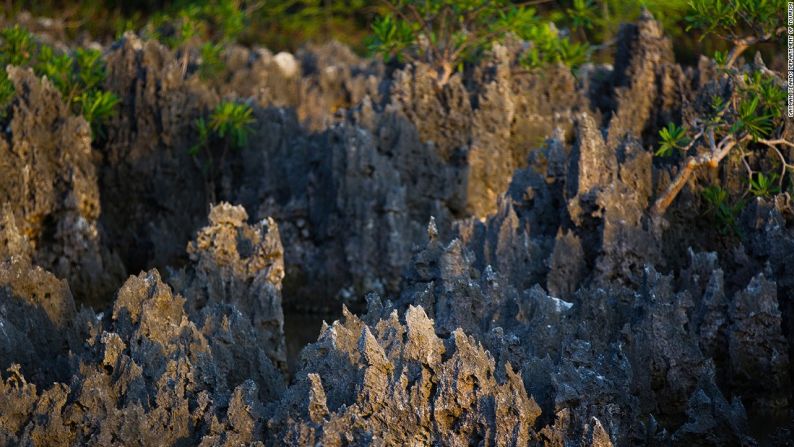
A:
(517, 292)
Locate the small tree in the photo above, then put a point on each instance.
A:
(229, 125)
(744, 23)
(749, 119)
(78, 75)
(446, 33)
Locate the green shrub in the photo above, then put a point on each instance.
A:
(56, 67)
(762, 185)
(211, 61)
(97, 106)
(719, 208)
(548, 46)
(232, 120)
(90, 70)
(16, 46)
(227, 128)
(288, 24)
(447, 33)
(6, 92)
(672, 138)
(206, 25)
(197, 22)
(598, 21)
(229, 122)
(743, 23)
(749, 120)
(79, 76)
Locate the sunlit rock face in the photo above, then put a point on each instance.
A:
(487, 242)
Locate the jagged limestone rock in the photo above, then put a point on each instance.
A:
(240, 265)
(48, 181)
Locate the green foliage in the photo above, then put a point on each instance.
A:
(752, 119)
(571, 53)
(79, 76)
(391, 37)
(717, 106)
(6, 92)
(232, 120)
(754, 111)
(742, 23)
(288, 24)
(767, 90)
(211, 61)
(759, 111)
(548, 47)
(447, 33)
(16, 46)
(229, 122)
(229, 16)
(203, 21)
(748, 121)
(720, 58)
(90, 71)
(208, 25)
(734, 19)
(56, 67)
(582, 14)
(762, 185)
(715, 195)
(275, 24)
(97, 106)
(203, 137)
(721, 209)
(672, 138)
(599, 21)
(174, 29)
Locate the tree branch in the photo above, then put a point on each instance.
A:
(772, 144)
(740, 45)
(693, 163)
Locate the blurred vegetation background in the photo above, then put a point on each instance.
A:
(289, 24)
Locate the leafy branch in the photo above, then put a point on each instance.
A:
(744, 23)
(751, 118)
(78, 75)
(747, 120)
(229, 124)
(446, 33)
(723, 211)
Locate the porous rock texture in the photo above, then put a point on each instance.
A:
(520, 293)
(395, 382)
(48, 180)
(362, 182)
(645, 362)
(236, 264)
(143, 374)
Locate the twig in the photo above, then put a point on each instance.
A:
(776, 142)
(404, 17)
(772, 144)
(693, 163)
(604, 45)
(740, 45)
(746, 165)
(428, 30)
